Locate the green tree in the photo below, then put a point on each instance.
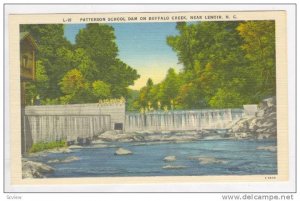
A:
(39, 86)
(212, 56)
(102, 38)
(226, 98)
(144, 95)
(184, 44)
(132, 102)
(101, 90)
(50, 39)
(94, 56)
(259, 46)
(98, 41)
(75, 87)
(120, 77)
(170, 88)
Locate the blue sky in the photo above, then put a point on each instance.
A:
(142, 46)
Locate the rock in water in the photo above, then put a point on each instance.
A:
(65, 160)
(205, 160)
(53, 161)
(173, 167)
(59, 150)
(98, 142)
(70, 159)
(122, 151)
(267, 148)
(170, 158)
(75, 147)
(31, 169)
(210, 160)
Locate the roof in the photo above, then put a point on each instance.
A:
(24, 35)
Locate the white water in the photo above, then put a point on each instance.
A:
(47, 128)
(182, 120)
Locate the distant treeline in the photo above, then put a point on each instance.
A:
(225, 65)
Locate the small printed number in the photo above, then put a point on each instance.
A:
(270, 177)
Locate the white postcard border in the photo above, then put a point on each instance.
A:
(193, 187)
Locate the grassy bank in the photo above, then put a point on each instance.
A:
(42, 146)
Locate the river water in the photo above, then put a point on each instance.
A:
(225, 157)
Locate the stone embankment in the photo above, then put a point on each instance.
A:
(262, 126)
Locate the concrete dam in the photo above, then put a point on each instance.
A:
(78, 122)
(182, 120)
(84, 121)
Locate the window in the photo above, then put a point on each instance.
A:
(118, 126)
(24, 61)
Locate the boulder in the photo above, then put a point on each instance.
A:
(98, 142)
(70, 159)
(110, 132)
(213, 137)
(191, 133)
(260, 113)
(64, 160)
(101, 146)
(253, 124)
(144, 132)
(170, 158)
(75, 147)
(271, 101)
(263, 136)
(272, 115)
(273, 130)
(173, 167)
(242, 135)
(53, 161)
(59, 150)
(267, 148)
(138, 138)
(205, 160)
(269, 123)
(31, 169)
(263, 105)
(241, 126)
(110, 136)
(122, 151)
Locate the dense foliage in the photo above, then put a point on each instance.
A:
(226, 65)
(84, 72)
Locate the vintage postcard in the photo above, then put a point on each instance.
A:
(173, 97)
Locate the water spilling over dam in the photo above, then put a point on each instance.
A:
(56, 127)
(84, 121)
(75, 122)
(182, 120)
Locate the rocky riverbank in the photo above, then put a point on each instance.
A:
(160, 136)
(262, 126)
(31, 169)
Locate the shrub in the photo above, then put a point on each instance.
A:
(41, 146)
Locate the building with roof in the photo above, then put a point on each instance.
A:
(28, 48)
